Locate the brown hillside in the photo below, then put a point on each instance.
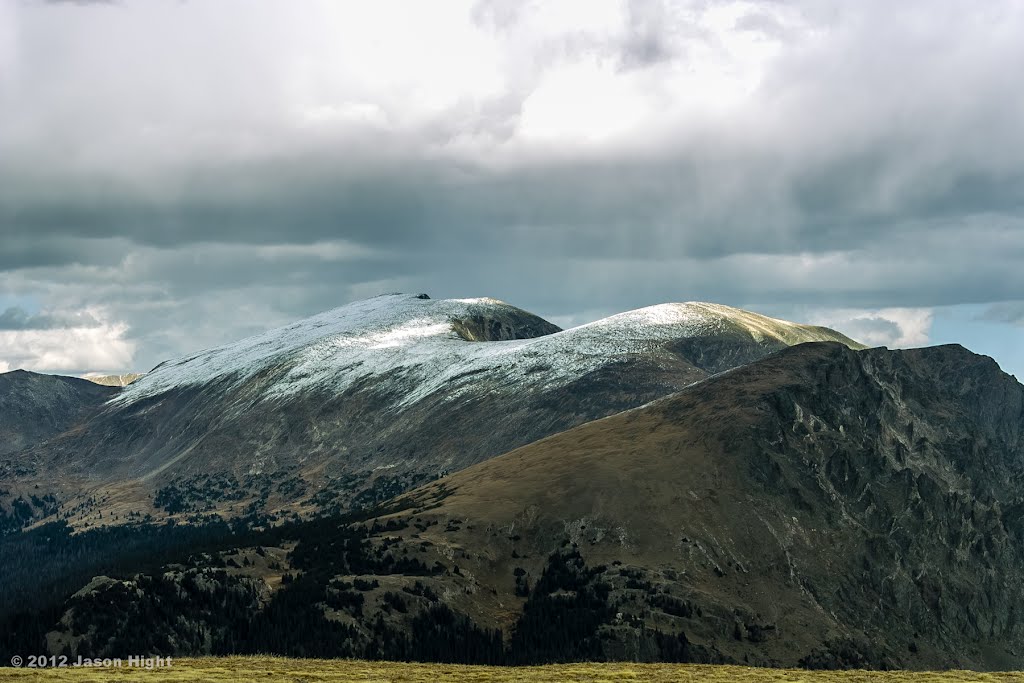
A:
(817, 500)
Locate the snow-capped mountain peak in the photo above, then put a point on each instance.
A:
(374, 333)
(436, 344)
(374, 397)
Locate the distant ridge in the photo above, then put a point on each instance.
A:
(35, 407)
(114, 380)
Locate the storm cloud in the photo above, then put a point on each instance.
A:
(16, 318)
(199, 171)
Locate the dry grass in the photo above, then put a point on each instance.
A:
(233, 669)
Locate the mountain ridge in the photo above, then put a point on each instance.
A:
(35, 407)
(354, 405)
(113, 380)
(394, 320)
(796, 493)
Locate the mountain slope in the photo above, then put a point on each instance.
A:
(820, 507)
(357, 404)
(35, 407)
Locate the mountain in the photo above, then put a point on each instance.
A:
(820, 507)
(36, 407)
(114, 380)
(353, 406)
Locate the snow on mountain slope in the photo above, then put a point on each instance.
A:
(354, 405)
(419, 338)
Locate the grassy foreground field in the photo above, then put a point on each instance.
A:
(313, 671)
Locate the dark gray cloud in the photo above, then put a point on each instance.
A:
(17, 318)
(1005, 312)
(573, 161)
(634, 208)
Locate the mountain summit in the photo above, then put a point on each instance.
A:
(429, 341)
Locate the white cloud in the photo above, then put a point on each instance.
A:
(5, 366)
(99, 346)
(893, 327)
(140, 86)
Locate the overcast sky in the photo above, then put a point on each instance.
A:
(175, 175)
